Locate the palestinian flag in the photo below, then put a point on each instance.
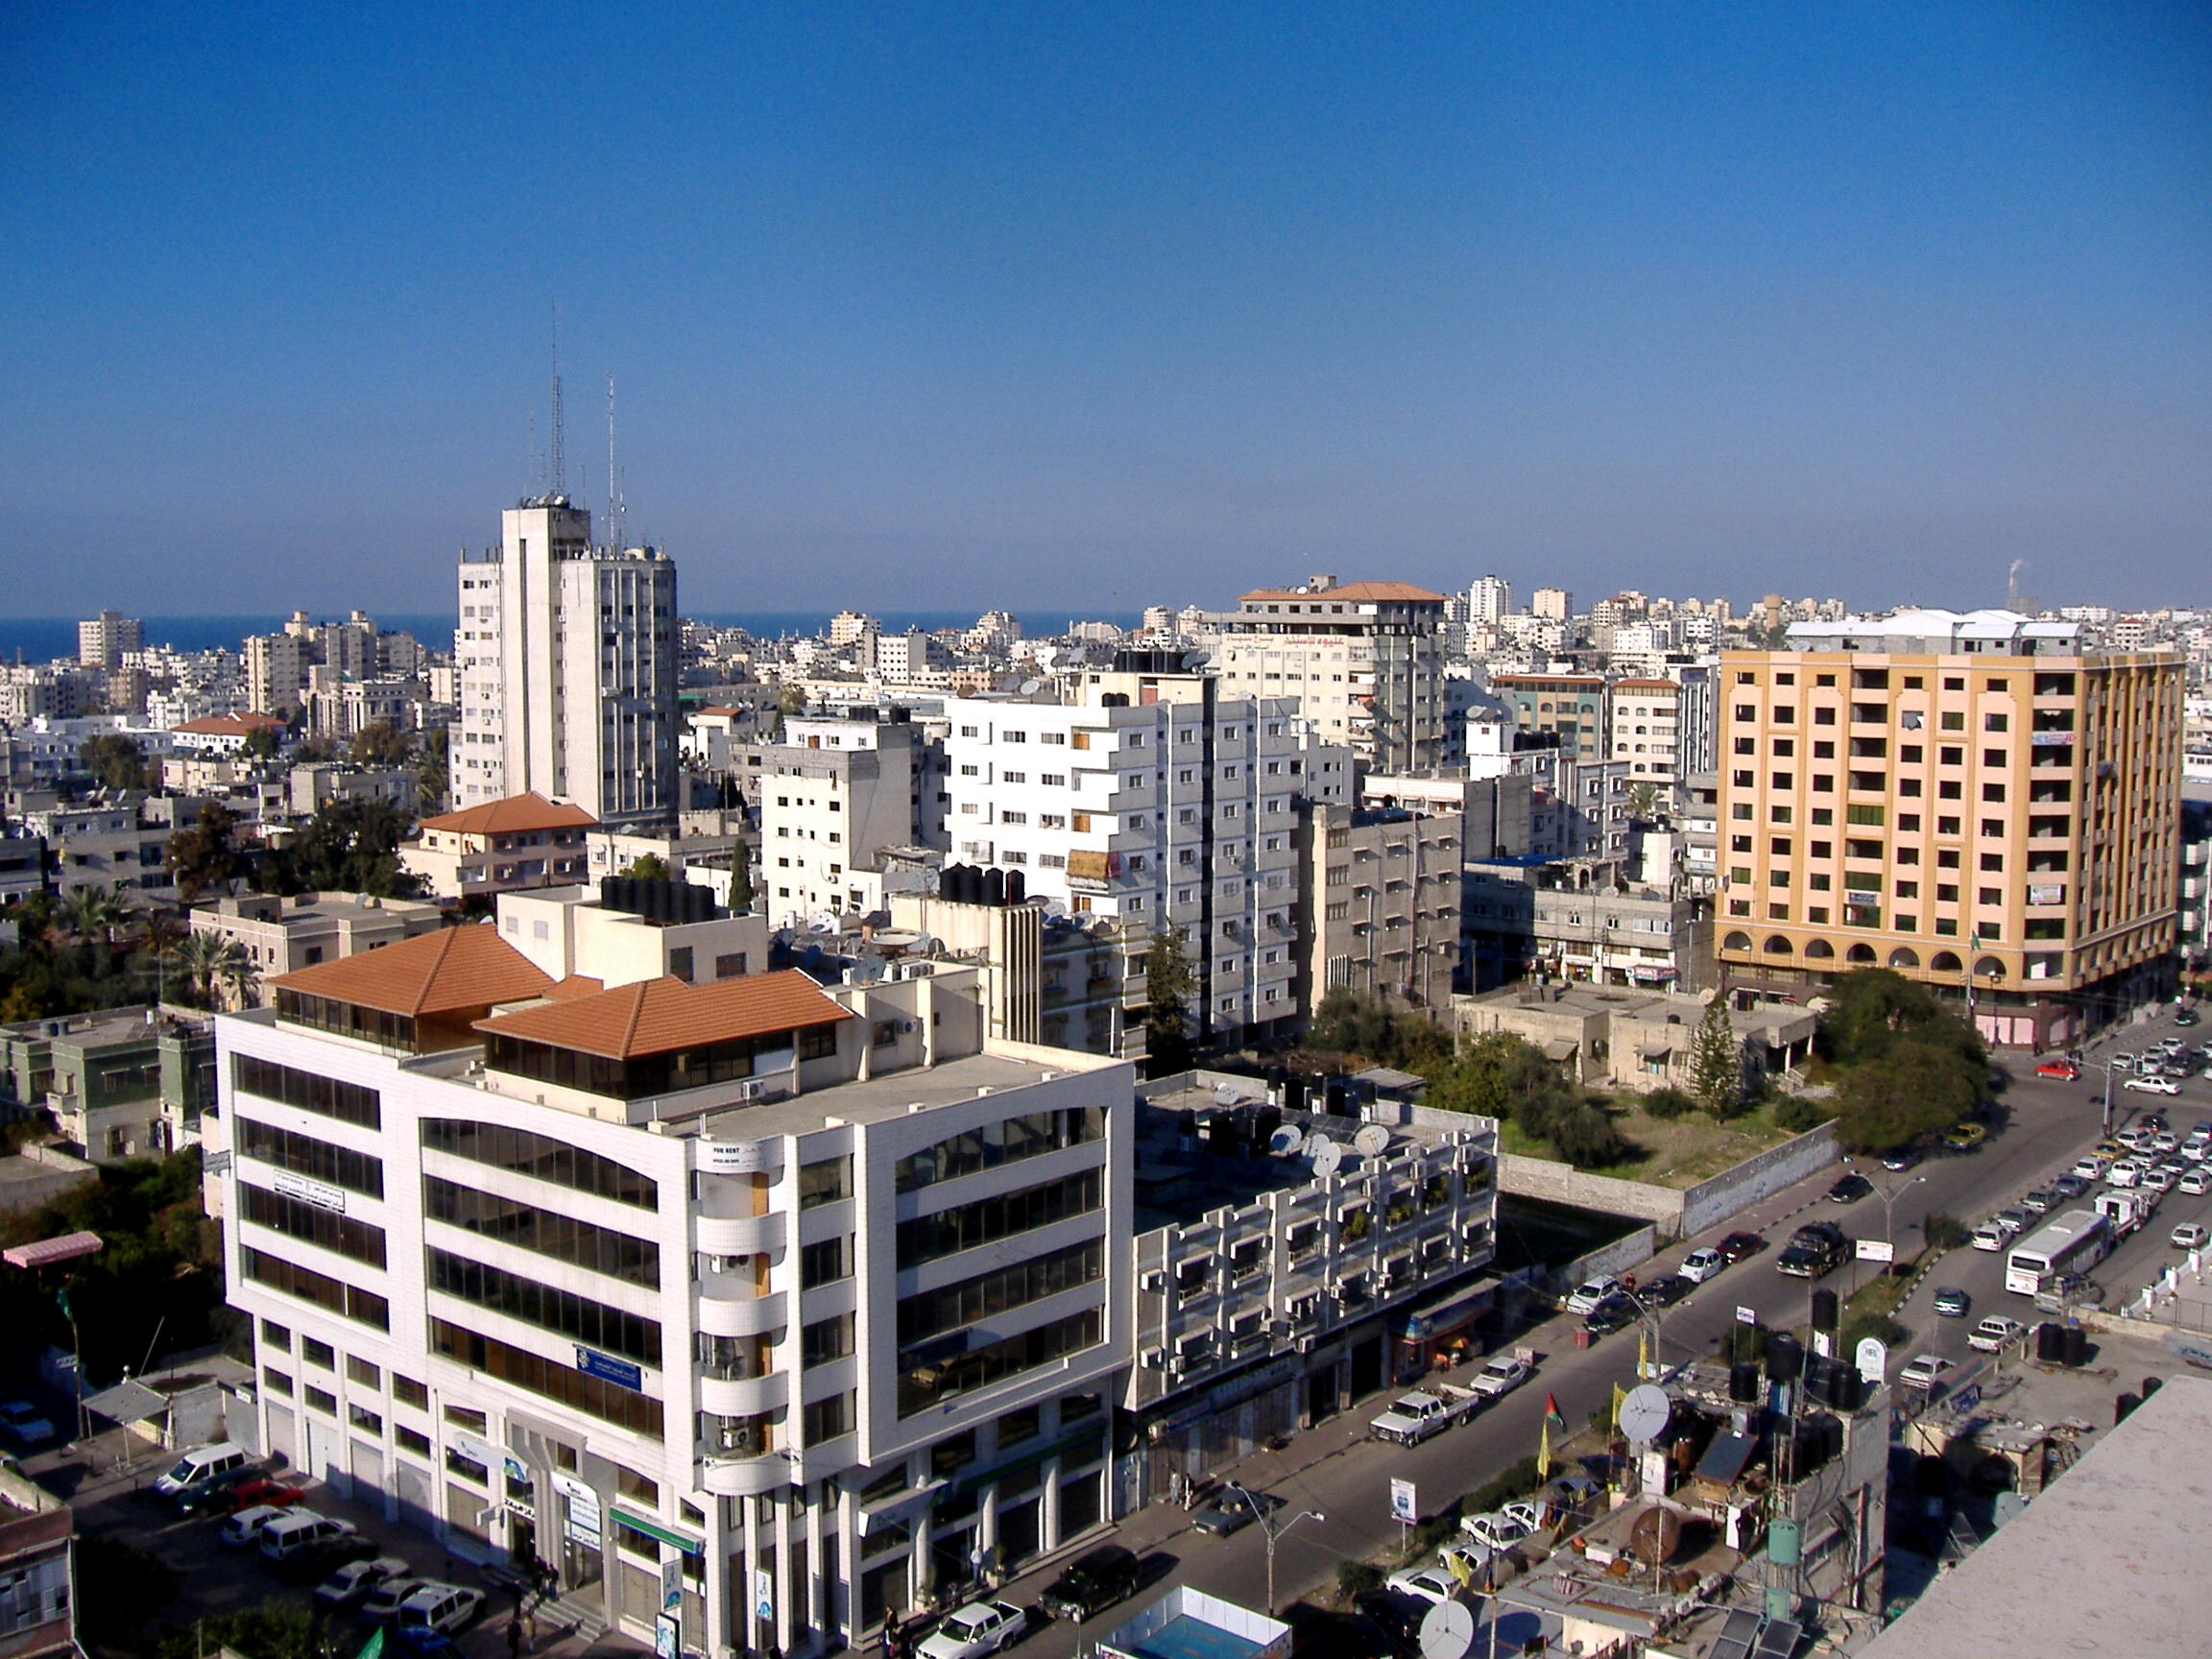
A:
(1552, 1413)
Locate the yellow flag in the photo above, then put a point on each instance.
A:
(1643, 1353)
(1620, 1394)
(1457, 1561)
(1544, 1451)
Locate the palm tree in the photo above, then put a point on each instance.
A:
(199, 960)
(239, 975)
(90, 915)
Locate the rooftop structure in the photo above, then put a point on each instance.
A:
(1188, 1623)
(38, 1600)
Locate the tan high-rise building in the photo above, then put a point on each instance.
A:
(1939, 793)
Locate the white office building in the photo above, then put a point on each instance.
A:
(1156, 800)
(568, 662)
(832, 796)
(800, 1303)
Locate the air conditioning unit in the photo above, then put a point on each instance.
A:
(1155, 1282)
(1152, 1359)
(905, 1027)
(1305, 1345)
(1175, 1365)
(752, 1089)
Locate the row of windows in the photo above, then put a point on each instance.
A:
(1007, 1141)
(545, 1232)
(348, 1102)
(347, 1019)
(964, 1226)
(313, 1224)
(923, 1386)
(542, 1158)
(546, 1378)
(929, 1313)
(645, 1074)
(317, 1160)
(347, 1300)
(561, 1311)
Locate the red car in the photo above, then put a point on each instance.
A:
(247, 1493)
(2065, 1071)
(1737, 1246)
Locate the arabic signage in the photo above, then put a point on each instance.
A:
(307, 1192)
(608, 1369)
(733, 1157)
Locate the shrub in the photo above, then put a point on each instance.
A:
(1356, 1577)
(1668, 1105)
(1796, 1114)
(1943, 1231)
(1861, 1325)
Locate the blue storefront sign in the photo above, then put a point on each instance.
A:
(608, 1369)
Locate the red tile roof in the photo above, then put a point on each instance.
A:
(451, 971)
(230, 725)
(1358, 592)
(514, 814)
(659, 1016)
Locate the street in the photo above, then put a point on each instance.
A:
(2043, 1126)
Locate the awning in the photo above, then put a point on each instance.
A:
(1654, 1050)
(903, 1507)
(654, 1529)
(48, 1251)
(1561, 1048)
(128, 1403)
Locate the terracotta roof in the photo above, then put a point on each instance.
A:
(1358, 593)
(518, 812)
(230, 725)
(453, 969)
(658, 1016)
(1646, 685)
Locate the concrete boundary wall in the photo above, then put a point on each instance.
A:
(1631, 1250)
(1673, 1212)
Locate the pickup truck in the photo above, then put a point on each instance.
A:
(1815, 1250)
(1416, 1416)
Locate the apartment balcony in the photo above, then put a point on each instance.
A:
(734, 1312)
(741, 1235)
(744, 1397)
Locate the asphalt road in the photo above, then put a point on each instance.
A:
(2044, 1125)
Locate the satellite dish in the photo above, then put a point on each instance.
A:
(1645, 1413)
(1447, 1630)
(1030, 688)
(1227, 1094)
(1327, 1157)
(1055, 909)
(822, 922)
(1286, 1141)
(1372, 1141)
(866, 971)
(1655, 1535)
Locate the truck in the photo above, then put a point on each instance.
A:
(1815, 1250)
(1413, 1417)
(2126, 1210)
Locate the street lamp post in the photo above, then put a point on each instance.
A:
(1272, 1529)
(1888, 1235)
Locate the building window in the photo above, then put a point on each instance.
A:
(826, 1340)
(543, 1232)
(554, 1379)
(322, 1400)
(361, 1371)
(409, 1392)
(564, 1312)
(327, 1096)
(826, 1262)
(826, 1419)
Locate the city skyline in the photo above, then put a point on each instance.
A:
(1084, 314)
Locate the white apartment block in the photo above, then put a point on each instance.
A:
(832, 796)
(568, 667)
(1364, 659)
(1490, 600)
(1644, 723)
(275, 670)
(803, 1302)
(1381, 911)
(1160, 802)
(102, 641)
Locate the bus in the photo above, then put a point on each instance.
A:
(2057, 1251)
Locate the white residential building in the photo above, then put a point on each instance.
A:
(568, 667)
(1158, 801)
(1490, 600)
(802, 1304)
(1644, 721)
(832, 796)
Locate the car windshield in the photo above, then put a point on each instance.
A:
(184, 1471)
(969, 1621)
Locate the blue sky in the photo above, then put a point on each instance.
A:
(1064, 306)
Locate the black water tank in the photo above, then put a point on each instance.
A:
(2050, 1342)
(2121, 1406)
(1785, 1356)
(1295, 1094)
(1851, 1389)
(994, 887)
(2151, 1385)
(1744, 1383)
(1819, 1379)
(1825, 1308)
(2077, 1352)
(1017, 887)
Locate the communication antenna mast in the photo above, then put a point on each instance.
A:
(616, 505)
(557, 480)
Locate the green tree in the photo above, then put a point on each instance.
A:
(206, 963)
(263, 742)
(272, 1629)
(347, 847)
(379, 744)
(1669, 1103)
(1910, 1093)
(206, 856)
(1169, 984)
(433, 768)
(114, 761)
(740, 877)
(648, 867)
(1717, 1060)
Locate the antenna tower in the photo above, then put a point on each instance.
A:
(618, 507)
(556, 469)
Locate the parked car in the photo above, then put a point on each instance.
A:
(244, 1528)
(441, 1607)
(1662, 1290)
(256, 1489)
(2013, 1217)
(1233, 1510)
(1500, 1375)
(1952, 1302)
(1700, 1266)
(219, 1496)
(352, 1582)
(1966, 1137)
(1611, 1314)
(1094, 1579)
(383, 1601)
(2196, 1183)
(2152, 1085)
(2187, 1016)
(1925, 1370)
(1994, 1333)
(2065, 1071)
(1586, 1297)
(2069, 1187)
(1850, 1189)
(1901, 1160)
(2039, 1201)
(1988, 1237)
(24, 1425)
(2131, 1138)
(1492, 1531)
(300, 1530)
(1429, 1584)
(2092, 1167)
(979, 1628)
(1739, 1247)
(199, 1465)
(2191, 1235)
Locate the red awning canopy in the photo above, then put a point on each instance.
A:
(48, 1251)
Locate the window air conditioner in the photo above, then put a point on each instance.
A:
(1152, 1359)
(751, 1088)
(1155, 1282)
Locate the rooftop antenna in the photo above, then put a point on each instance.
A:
(616, 505)
(557, 479)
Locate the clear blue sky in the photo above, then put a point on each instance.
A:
(1071, 306)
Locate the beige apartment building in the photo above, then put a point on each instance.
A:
(1980, 802)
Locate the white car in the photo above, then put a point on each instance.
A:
(2125, 1173)
(245, 1527)
(1925, 1370)
(1427, 1583)
(970, 1632)
(1526, 1514)
(2196, 1183)
(2191, 1235)
(1700, 1266)
(1586, 1297)
(441, 1607)
(353, 1581)
(2160, 1178)
(2164, 1142)
(1989, 1236)
(1500, 1376)
(2152, 1085)
(1994, 1333)
(1492, 1532)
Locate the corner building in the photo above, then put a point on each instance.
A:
(814, 1299)
(1980, 802)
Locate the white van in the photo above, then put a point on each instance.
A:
(302, 1530)
(1990, 1237)
(200, 1465)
